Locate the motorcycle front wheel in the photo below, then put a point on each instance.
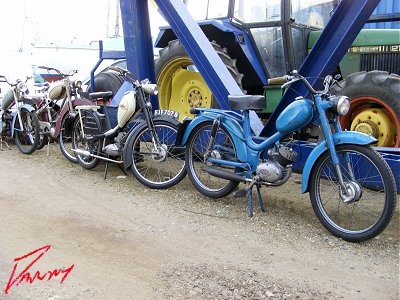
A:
(28, 137)
(65, 137)
(91, 123)
(367, 175)
(223, 148)
(158, 168)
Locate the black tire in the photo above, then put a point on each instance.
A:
(150, 170)
(89, 119)
(65, 138)
(107, 81)
(28, 139)
(168, 62)
(375, 89)
(362, 219)
(196, 147)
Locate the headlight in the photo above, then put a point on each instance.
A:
(150, 89)
(78, 84)
(22, 87)
(341, 104)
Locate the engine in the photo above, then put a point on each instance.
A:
(278, 168)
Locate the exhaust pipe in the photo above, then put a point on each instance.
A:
(88, 154)
(226, 175)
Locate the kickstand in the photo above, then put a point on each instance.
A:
(1, 144)
(250, 196)
(122, 169)
(106, 170)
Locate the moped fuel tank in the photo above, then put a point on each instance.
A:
(8, 100)
(295, 116)
(126, 108)
(57, 91)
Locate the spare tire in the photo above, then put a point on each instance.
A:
(107, 81)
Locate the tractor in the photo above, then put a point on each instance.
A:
(258, 40)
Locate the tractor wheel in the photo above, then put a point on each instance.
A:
(374, 106)
(107, 81)
(180, 84)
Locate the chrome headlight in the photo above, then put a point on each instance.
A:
(341, 104)
(22, 87)
(150, 89)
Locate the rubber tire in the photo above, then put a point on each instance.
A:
(107, 81)
(164, 185)
(377, 84)
(229, 188)
(390, 199)
(67, 155)
(76, 130)
(176, 50)
(36, 137)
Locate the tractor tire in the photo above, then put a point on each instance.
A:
(107, 81)
(374, 105)
(180, 85)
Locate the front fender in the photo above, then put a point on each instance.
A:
(230, 124)
(344, 137)
(26, 106)
(127, 152)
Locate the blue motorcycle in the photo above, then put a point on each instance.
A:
(352, 189)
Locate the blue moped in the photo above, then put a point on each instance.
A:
(351, 187)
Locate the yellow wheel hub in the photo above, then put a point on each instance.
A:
(181, 89)
(374, 122)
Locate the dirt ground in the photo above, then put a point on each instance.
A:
(129, 242)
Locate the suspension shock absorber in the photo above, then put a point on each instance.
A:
(213, 134)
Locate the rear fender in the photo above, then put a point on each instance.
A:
(127, 152)
(230, 124)
(65, 110)
(344, 137)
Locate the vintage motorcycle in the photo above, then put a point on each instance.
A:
(57, 110)
(351, 187)
(144, 142)
(18, 120)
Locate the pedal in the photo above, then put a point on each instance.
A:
(240, 193)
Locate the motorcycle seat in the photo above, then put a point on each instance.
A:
(247, 102)
(97, 95)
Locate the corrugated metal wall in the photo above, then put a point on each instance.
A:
(385, 7)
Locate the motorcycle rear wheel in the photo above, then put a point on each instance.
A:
(153, 171)
(94, 147)
(223, 148)
(365, 217)
(27, 139)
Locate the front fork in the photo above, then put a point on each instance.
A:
(322, 107)
(213, 134)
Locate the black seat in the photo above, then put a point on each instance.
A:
(97, 95)
(247, 102)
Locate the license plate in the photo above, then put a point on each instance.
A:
(167, 112)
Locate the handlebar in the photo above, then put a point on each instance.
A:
(279, 80)
(73, 72)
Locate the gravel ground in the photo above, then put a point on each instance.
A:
(130, 242)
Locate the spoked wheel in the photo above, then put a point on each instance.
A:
(223, 148)
(27, 138)
(158, 168)
(366, 208)
(65, 138)
(91, 125)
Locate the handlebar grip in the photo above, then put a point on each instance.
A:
(278, 80)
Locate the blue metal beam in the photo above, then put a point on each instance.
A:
(137, 40)
(341, 30)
